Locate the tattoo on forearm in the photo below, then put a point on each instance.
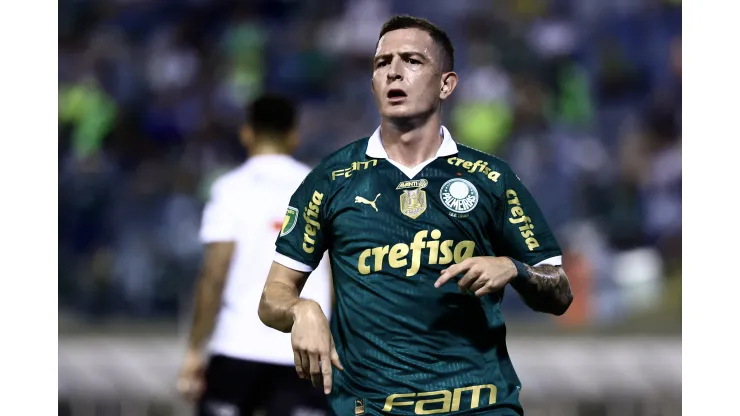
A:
(545, 289)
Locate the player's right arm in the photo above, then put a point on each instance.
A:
(299, 249)
(281, 297)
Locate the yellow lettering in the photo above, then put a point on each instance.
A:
(416, 247)
(312, 211)
(306, 248)
(354, 166)
(445, 400)
(312, 225)
(397, 256)
(442, 401)
(475, 397)
(362, 266)
(310, 230)
(478, 165)
(517, 220)
(390, 402)
(518, 217)
(379, 253)
(464, 250)
(317, 197)
(341, 172)
(434, 246)
(433, 251)
(310, 221)
(445, 249)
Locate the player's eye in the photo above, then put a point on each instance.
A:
(413, 61)
(381, 63)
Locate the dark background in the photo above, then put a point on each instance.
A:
(581, 97)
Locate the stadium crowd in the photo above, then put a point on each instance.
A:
(581, 97)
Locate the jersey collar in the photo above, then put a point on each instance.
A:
(375, 145)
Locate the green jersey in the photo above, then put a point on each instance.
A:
(408, 348)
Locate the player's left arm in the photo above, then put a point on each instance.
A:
(533, 250)
(544, 288)
(529, 257)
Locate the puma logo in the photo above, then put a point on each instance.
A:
(361, 200)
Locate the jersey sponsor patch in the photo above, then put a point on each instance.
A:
(291, 218)
(459, 195)
(375, 260)
(443, 401)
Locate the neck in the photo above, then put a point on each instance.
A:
(411, 143)
(268, 148)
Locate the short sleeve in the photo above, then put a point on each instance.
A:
(523, 232)
(303, 237)
(218, 220)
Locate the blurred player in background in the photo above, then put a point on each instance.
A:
(250, 365)
(402, 213)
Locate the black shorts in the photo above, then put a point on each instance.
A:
(237, 388)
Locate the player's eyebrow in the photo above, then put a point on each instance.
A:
(382, 57)
(414, 54)
(404, 55)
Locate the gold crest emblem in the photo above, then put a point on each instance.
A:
(413, 198)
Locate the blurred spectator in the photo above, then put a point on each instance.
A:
(582, 98)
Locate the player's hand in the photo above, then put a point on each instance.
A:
(190, 381)
(313, 346)
(482, 275)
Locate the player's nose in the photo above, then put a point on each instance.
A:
(394, 72)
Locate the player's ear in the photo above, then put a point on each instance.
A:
(447, 85)
(246, 136)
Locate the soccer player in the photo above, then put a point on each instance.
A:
(424, 235)
(250, 365)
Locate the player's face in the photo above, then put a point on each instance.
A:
(407, 77)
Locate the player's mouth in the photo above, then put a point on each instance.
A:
(396, 95)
